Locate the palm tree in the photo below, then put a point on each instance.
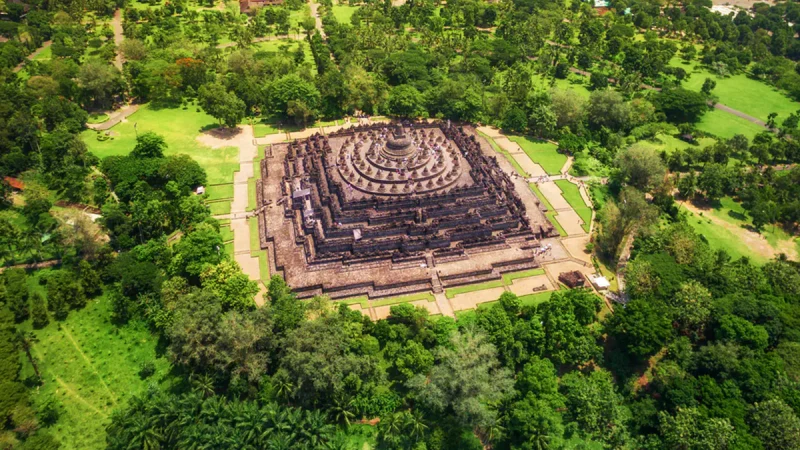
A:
(144, 433)
(342, 410)
(415, 425)
(283, 388)
(203, 384)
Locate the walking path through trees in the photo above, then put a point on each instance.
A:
(32, 55)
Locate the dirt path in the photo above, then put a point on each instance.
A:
(30, 57)
(752, 240)
(317, 19)
(116, 25)
(744, 116)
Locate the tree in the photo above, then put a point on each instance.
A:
(681, 105)
(641, 167)
(569, 108)
(232, 286)
(642, 328)
(692, 309)
(598, 81)
(708, 86)
(688, 429)
(714, 181)
(406, 101)
(64, 291)
(326, 357)
(16, 293)
(201, 246)
(292, 90)
(222, 105)
(465, 381)
(149, 145)
(592, 402)
(38, 311)
(231, 344)
(515, 120)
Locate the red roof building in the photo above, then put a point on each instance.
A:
(15, 183)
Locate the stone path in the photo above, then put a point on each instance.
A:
(248, 150)
(317, 19)
(114, 117)
(30, 57)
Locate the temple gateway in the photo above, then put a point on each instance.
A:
(390, 209)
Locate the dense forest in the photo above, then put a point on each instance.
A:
(705, 354)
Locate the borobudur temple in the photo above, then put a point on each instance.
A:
(390, 209)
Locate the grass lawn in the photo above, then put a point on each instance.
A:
(573, 196)
(343, 13)
(723, 238)
(219, 191)
(285, 46)
(265, 127)
(45, 54)
(91, 367)
(575, 83)
(667, 143)
(97, 118)
(505, 154)
(180, 128)
(226, 233)
(452, 292)
(255, 250)
(752, 97)
(543, 153)
(536, 298)
(725, 125)
(229, 249)
(508, 278)
(220, 207)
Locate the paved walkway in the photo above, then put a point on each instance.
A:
(114, 117)
(238, 216)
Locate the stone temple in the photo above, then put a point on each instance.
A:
(390, 209)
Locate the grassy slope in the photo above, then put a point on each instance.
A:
(720, 238)
(747, 95)
(725, 126)
(573, 196)
(543, 153)
(343, 13)
(180, 128)
(91, 367)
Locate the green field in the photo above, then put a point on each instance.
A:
(572, 195)
(180, 128)
(543, 153)
(721, 238)
(739, 92)
(220, 191)
(90, 366)
(343, 13)
(725, 125)
(285, 46)
(667, 143)
(45, 55)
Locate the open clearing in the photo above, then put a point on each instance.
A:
(180, 128)
(90, 366)
(727, 228)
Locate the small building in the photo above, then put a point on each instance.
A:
(15, 183)
(200, 190)
(573, 279)
(599, 282)
(246, 6)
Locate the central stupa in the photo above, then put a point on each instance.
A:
(399, 145)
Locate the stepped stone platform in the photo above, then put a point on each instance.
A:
(391, 209)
